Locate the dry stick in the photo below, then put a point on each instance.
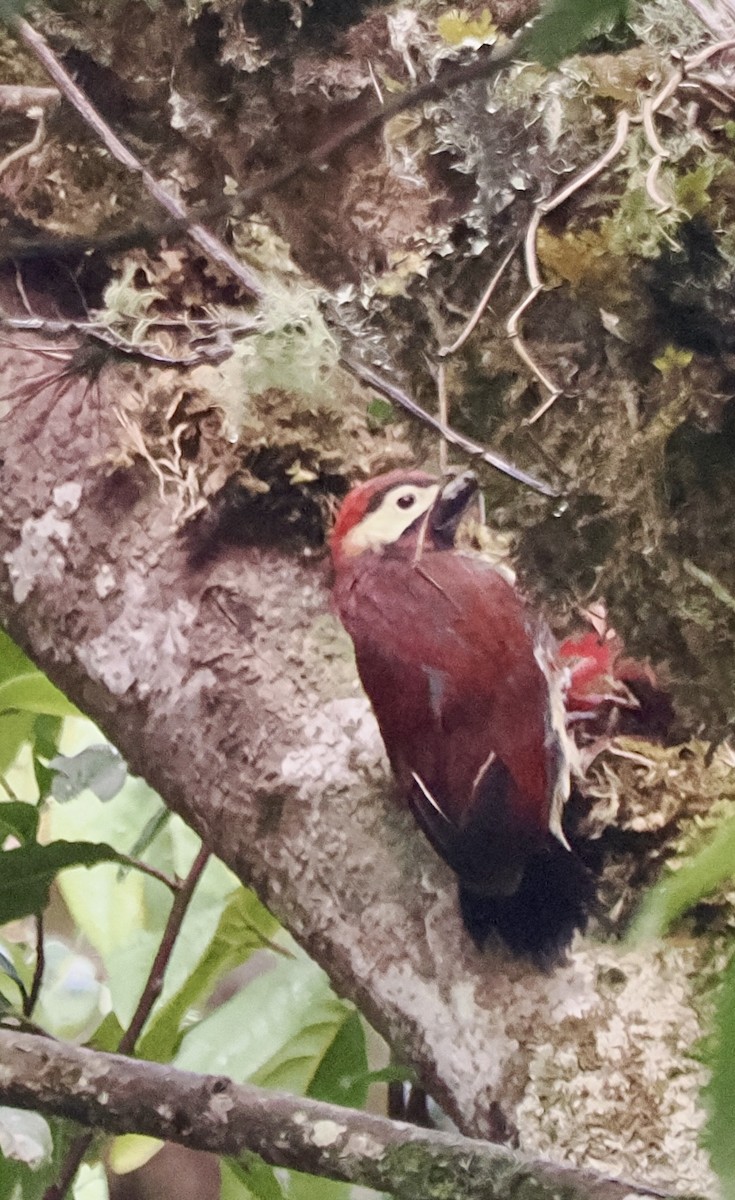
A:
(441, 389)
(66, 85)
(719, 24)
(211, 1113)
(28, 147)
(434, 89)
(649, 108)
(137, 864)
(29, 1002)
(703, 56)
(18, 98)
(653, 105)
(149, 995)
(535, 282)
(472, 324)
(660, 154)
(387, 388)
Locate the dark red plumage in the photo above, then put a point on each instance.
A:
(455, 669)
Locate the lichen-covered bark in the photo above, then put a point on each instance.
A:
(228, 686)
(211, 1113)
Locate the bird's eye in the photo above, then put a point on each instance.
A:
(406, 501)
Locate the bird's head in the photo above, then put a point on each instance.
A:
(392, 510)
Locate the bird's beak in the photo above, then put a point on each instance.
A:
(452, 502)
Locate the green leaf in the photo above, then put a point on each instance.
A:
(312, 1187)
(19, 820)
(16, 729)
(685, 887)
(242, 928)
(273, 1033)
(150, 831)
(123, 918)
(90, 1183)
(12, 659)
(19, 1180)
(46, 733)
(720, 1092)
(34, 693)
(26, 874)
(341, 1077)
(131, 1151)
(564, 25)
(380, 412)
(107, 1035)
(99, 768)
(256, 1179)
(7, 966)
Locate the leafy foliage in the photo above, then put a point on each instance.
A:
(28, 872)
(694, 879)
(564, 25)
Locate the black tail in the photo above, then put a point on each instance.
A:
(539, 920)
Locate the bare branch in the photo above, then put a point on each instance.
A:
(247, 200)
(18, 98)
(386, 387)
(74, 94)
(208, 1112)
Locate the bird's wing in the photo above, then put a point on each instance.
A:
(450, 663)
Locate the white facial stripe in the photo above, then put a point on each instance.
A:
(391, 518)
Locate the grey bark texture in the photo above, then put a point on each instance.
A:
(207, 1112)
(227, 688)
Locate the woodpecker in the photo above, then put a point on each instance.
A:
(462, 679)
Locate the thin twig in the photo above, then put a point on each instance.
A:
(525, 356)
(443, 406)
(535, 283)
(246, 200)
(649, 127)
(472, 324)
(217, 344)
(211, 245)
(652, 189)
(434, 89)
(154, 983)
(137, 864)
(28, 147)
(718, 24)
(696, 60)
(391, 391)
(649, 108)
(29, 1002)
(149, 995)
(718, 590)
(17, 98)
